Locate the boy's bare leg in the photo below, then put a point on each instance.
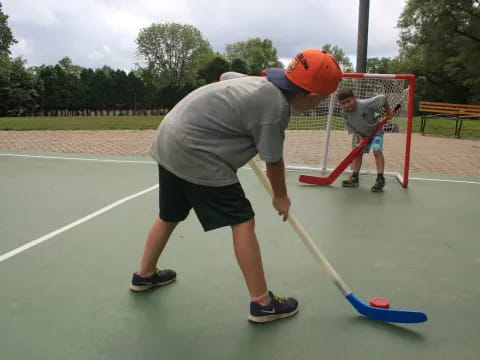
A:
(156, 240)
(379, 161)
(357, 163)
(249, 258)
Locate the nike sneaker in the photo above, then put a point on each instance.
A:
(279, 307)
(158, 278)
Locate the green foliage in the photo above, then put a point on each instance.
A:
(257, 53)
(18, 90)
(340, 56)
(6, 36)
(173, 53)
(70, 87)
(213, 69)
(440, 43)
(380, 65)
(240, 66)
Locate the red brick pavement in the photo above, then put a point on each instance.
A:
(429, 154)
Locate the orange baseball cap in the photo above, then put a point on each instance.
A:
(314, 71)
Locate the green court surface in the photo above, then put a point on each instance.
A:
(65, 268)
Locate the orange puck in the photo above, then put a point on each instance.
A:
(380, 303)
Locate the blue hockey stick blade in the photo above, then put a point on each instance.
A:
(387, 315)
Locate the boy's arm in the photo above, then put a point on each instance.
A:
(388, 110)
(231, 75)
(378, 102)
(276, 176)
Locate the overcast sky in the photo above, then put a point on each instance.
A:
(94, 33)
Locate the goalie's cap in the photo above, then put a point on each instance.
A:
(314, 71)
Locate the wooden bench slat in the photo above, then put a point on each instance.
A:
(449, 105)
(448, 108)
(452, 112)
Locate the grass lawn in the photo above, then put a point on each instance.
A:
(80, 122)
(440, 127)
(470, 129)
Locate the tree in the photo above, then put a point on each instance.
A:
(440, 43)
(379, 65)
(240, 66)
(213, 69)
(173, 52)
(340, 56)
(6, 36)
(87, 80)
(103, 80)
(18, 93)
(257, 53)
(70, 85)
(136, 91)
(62, 86)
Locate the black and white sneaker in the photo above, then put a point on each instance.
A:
(279, 307)
(351, 182)
(379, 185)
(158, 278)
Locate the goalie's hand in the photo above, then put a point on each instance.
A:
(389, 114)
(282, 205)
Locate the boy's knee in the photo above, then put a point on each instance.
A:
(377, 153)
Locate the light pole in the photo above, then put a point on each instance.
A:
(362, 38)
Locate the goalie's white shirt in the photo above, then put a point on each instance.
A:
(217, 128)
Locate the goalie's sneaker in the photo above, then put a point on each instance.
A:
(351, 182)
(158, 278)
(279, 307)
(379, 185)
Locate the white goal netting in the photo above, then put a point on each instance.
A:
(318, 139)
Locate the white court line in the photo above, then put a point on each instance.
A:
(73, 224)
(446, 180)
(411, 178)
(244, 167)
(79, 159)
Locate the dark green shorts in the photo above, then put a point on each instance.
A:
(215, 206)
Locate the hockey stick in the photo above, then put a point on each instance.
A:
(388, 315)
(328, 180)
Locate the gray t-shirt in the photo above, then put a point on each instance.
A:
(363, 119)
(217, 128)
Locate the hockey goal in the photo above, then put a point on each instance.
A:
(318, 141)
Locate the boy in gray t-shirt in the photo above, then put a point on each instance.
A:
(201, 144)
(361, 120)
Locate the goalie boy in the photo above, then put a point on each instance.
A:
(361, 120)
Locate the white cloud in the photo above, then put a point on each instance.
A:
(22, 48)
(96, 55)
(285, 61)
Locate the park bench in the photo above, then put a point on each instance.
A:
(446, 111)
